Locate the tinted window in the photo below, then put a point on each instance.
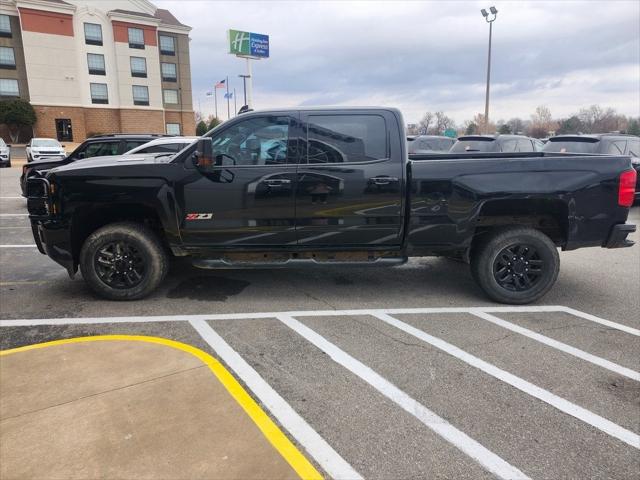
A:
(129, 144)
(346, 138)
(100, 149)
(525, 145)
(616, 148)
(484, 145)
(255, 141)
(633, 147)
(587, 145)
(509, 146)
(169, 147)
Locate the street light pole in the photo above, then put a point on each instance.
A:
(244, 87)
(489, 19)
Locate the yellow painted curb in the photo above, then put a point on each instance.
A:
(270, 430)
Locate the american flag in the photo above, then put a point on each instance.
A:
(220, 84)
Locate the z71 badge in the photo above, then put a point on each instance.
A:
(199, 216)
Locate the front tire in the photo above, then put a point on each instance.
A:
(123, 261)
(515, 265)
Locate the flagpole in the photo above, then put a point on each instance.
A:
(228, 103)
(215, 99)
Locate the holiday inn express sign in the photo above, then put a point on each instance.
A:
(248, 44)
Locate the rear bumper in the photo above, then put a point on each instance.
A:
(618, 236)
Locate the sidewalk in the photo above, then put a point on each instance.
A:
(130, 407)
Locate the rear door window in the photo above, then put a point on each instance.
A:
(130, 144)
(633, 147)
(99, 149)
(346, 138)
(525, 145)
(616, 148)
(509, 146)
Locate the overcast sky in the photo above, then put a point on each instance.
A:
(421, 56)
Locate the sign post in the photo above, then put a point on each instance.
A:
(252, 46)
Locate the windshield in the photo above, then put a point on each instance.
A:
(587, 145)
(45, 143)
(2, 144)
(484, 145)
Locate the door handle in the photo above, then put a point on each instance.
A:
(383, 180)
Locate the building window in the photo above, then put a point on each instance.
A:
(92, 34)
(167, 45)
(5, 26)
(7, 58)
(138, 67)
(140, 95)
(96, 64)
(136, 38)
(169, 72)
(173, 128)
(99, 93)
(9, 87)
(170, 96)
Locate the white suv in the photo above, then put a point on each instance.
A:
(44, 149)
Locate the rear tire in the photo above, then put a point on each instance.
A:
(123, 261)
(515, 265)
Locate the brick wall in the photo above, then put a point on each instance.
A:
(186, 120)
(46, 121)
(101, 120)
(89, 121)
(141, 121)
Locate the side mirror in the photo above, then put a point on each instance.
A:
(204, 153)
(8, 145)
(62, 146)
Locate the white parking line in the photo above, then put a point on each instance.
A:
(489, 460)
(306, 436)
(14, 214)
(19, 246)
(546, 396)
(602, 321)
(7, 198)
(601, 362)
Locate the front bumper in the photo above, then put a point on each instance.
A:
(53, 239)
(618, 236)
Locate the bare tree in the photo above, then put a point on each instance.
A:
(489, 129)
(595, 119)
(442, 123)
(426, 122)
(516, 125)
(542, 124)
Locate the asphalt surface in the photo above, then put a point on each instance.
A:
(353, 412)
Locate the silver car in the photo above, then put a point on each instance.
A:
(5, 154)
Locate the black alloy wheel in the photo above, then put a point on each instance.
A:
(518, 267)
(120, 265)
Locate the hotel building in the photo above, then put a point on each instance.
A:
(88, 68)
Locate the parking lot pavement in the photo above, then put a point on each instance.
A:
(385, 373)
(132, 407)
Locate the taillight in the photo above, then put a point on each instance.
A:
(627, 188)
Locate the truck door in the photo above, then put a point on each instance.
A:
(350, 179)
(247, 198)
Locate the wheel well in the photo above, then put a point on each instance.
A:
(88, 220)
(548, 216)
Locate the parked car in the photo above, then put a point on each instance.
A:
(96, 146)
(163, 145)
(5, 154)
(44, 149)
(430, 144)
(351, 196)
(601, 143)
(495, 144)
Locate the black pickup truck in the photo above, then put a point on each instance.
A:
(328, 187)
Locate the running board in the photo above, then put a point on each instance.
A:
(285, 261)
